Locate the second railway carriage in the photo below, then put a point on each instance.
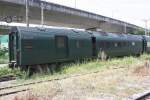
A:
(146, 45)
(34, 46)
(111, 44)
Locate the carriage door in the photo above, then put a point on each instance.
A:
(12, 46)
(144, 44)
(61, 46)
(94, 46)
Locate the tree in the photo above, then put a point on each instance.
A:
(139, 31)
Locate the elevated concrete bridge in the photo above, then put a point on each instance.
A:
(57, 15)
(4, 29)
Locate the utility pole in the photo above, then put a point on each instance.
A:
(125, 27)
(113, 13)
(146, 28)
(75, 3)
(27, 13)
(42, 13)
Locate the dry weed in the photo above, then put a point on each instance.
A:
(26, 96)
(143, 69)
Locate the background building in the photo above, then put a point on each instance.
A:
(3, 41)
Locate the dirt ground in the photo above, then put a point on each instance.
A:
(113, 83)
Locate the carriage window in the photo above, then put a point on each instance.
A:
(60, 41)
(78, 44)
(116, 44)
(133, 43)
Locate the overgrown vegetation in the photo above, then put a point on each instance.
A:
(95, 65)
(16, 72)
(3, 56)
(78, 68)
(139, 31)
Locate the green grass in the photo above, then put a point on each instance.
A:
(4, 56)
(8, 71)
(77, 68)
(90, 66)
(145, 56)
(4, 60)
(95, 65)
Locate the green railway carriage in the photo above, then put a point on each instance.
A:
(36, 46)
(135, 44)
(32, 46)
(111, 44)
(146, 43)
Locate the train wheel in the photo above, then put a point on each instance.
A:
(11, 66)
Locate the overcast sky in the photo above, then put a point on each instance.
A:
(133, 11)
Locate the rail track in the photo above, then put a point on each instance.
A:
(13, 92)
(7, 78)
(141, 96)
(38, 82)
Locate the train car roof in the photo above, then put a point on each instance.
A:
(50, 31)
(81, 32)
(118, 36)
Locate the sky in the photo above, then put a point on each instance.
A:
(132, 11)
